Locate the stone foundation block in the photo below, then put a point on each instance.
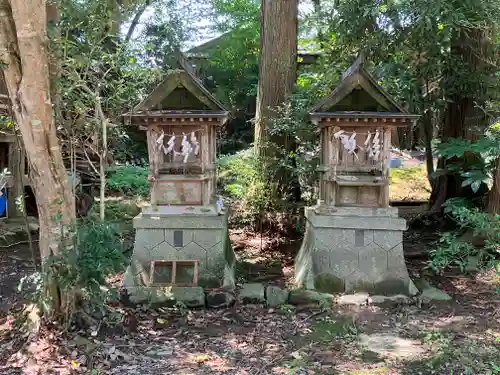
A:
(252, 293)
(351, 249)
(276, 296)
(203, 238)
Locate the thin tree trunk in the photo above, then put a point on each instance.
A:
(135, 20)
(23, 42)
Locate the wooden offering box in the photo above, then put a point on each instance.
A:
(356, 123)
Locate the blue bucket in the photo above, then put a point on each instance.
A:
(395, 163)
(3, 203)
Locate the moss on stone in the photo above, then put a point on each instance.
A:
(328, 283)
(390, 287)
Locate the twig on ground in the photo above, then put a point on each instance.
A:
(306, 319)
(16, 243)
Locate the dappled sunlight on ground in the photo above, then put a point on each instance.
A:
(409, 184)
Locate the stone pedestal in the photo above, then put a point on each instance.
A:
(180, 233)
(350, 249)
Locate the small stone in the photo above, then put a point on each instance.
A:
(434, 294)
(276, 296)
(33, 227)
(190, 296)
(412, 289)
(252, 293)
(398, 298)
(219, 299)
(353, 299)
(306, 296)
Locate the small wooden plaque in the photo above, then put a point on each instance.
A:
(174, 273)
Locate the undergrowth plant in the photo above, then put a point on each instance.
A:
(128, 180)
(453, 251)
(81, 270)
(240, 180)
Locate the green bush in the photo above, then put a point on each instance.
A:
(241, 182)
(116, 210)
(453, 251)
(129, 180)
(82, 269)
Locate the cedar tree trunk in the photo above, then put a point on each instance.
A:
(278, 63)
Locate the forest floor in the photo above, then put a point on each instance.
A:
(459, 337)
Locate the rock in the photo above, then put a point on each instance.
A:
(307, 296)
(398, 298)
(434, 294)
(413, 290)
(276, 296)
(220, 299)
(252, 293)
(33, 227)
(190, 296)
(353, 299)
(392, 346)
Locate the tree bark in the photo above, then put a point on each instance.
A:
(278, 63)
(23, 41)
(494, 195)
(460, 105)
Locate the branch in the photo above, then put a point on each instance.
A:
(9, 51)
(135, 21)
(90, 161)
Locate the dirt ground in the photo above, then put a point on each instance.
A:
(461, 337)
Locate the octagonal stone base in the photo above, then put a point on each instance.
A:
(201, 236)
(350, 249)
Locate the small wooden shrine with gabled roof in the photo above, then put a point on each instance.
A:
(356, 122)
(181, 118)
(354, 240)
(182, 238)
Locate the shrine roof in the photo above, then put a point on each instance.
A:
(177, 113)
(180, 94)
(365, 115)
(359, 95)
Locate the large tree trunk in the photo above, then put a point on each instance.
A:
(277, 77)
(460, 106)
(278, 63)
(23, 43)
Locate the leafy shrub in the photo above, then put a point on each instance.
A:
(129, 180)
(453, 251)
(82, 269)
(474, 161)
(116, 210)
(241, 182)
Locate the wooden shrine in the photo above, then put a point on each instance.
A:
(353, 239)
(182, 237)
(356, 123)
(181, 118)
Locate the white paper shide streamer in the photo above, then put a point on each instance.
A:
(373, 146)
(188, 146)
(349, 142)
